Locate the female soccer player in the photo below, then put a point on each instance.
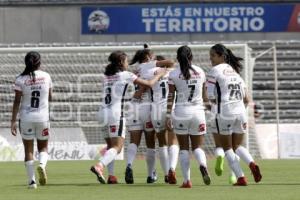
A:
(189, 118)
(33, 90)
(141, 119)
(111, 115)
(231, 100)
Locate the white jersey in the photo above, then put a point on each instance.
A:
(188, 92)
(114, 90)
(160, 90)
(35, 96)
(227, 88)
(143, 69)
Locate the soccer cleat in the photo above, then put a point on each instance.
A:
(172, 177)
(98, 171)
(188, 184)
(112, 180)
(166, 179)
(255, 172)
(154, 175)
(129, 175)
(219, 166)
(232, 179)
(42, 175)
(153, 178)
(205, 175)
(241, 181)
(32, 185)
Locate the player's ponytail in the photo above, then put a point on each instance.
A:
(185, 57)
(116, 64)
(229, 57)
(234, 61)
(32, 63)
(142, 55)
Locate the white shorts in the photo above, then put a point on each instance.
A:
(158, 117)
(139, 118)
(189, 123)
(32, 130)
(112, 124)
(236, 123)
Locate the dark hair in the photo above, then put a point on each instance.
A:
(116, 60)
(160, 57)
(141, 55)
(185, 57)
(32, 63)
(229, 57)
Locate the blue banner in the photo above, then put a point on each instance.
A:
(191, 18)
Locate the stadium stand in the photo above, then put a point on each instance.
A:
(288, 57)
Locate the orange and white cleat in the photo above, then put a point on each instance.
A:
(255, 172)
(187, 184)
(172, 177)
(98, 171)
(241, 181)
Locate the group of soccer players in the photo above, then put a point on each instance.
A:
(168, 104)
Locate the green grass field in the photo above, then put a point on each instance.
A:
(73, 180)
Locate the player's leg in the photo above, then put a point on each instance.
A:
(112, 179)
(219, 154)
(173, 156)
(135, 139)
(184, 158)
(163, 151)
(239, 130)
(43, 131)
(244, 154)
(150, 137)
(226, 141)
(180, 127)
(28, 135)
(115, 130)
(197, 130)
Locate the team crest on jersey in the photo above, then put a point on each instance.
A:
(113, 129)
(45, 132)
(149, 125)
(98, 21)
(202, 128)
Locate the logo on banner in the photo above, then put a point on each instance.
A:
(98, 21)
(298, 19)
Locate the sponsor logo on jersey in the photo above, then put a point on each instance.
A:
(113, 129)
(229, 72)
(98, 21)
(149, 125)
(45, 132)
(202, 128)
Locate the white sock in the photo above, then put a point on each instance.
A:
(219, 152)
(164, 159)
(234, 163)
(232, 172)
(109, 156)
(173, 156)
(111, 167)
(131, 153)
(185, 165)
(150, 159)
(43, 158)
(244, 154)
(30, 170)
(200, 157)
